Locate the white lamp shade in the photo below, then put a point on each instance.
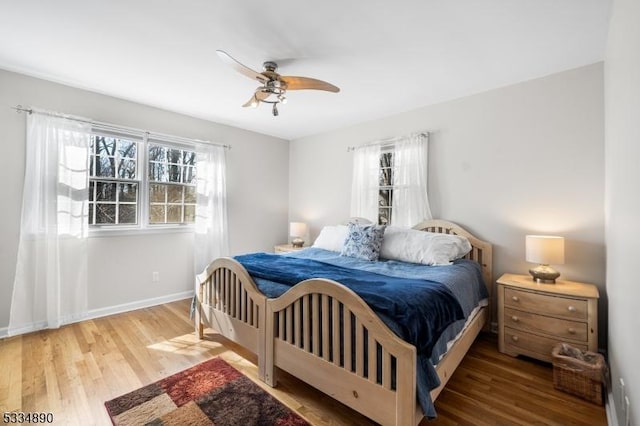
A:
(545, 249)
(297, 229)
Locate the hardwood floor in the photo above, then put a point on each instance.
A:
(72, 371)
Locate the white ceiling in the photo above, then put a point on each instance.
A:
(386, 56)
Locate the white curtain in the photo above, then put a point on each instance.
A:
(50, 286)
(410, 200)
(365, 182)
(211, 239)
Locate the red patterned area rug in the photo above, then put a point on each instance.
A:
(211, 393)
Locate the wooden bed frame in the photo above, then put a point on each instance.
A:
(302, 331)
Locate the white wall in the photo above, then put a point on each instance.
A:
(121, 267)
(622, 147)
(527, 158)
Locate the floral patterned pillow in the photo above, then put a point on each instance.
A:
(363, 241)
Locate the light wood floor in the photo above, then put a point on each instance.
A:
(72, 371)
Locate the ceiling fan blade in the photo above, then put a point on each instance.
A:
(261, 94)
(258, 96)
(252, 102)
(242, 69)
(300, 83)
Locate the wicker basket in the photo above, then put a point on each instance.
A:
(581, 377)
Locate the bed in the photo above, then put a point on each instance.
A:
(325, 334)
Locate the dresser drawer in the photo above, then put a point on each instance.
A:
(556, 306)
(565, 329)
(517, 341)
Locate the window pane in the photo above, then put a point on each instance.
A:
(106, 191)
(384, 198)
(157, 153)
(386, 159)
(385, 177)
(174, 194)
(127, 169)
(158, 172)
(127, 148)
(189, 214)
(127, 213)
(384, 216)
(189, 158)
(91, 209)
(105, 213)
(105, 166)
(174, 156)
(174, 173)
(156, 214)
(190, 194)
(105, 146)
(92, 160)
(91, 188)
(128, 192)
(189, 175)
(174, 214)
(157, 193)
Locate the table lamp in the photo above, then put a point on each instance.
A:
(297, 231)
(544, 250)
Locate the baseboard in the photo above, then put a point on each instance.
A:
(610, 410)
(141, 304)
(103, 312)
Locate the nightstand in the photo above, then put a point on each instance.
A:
(286, 248)
(533, 317)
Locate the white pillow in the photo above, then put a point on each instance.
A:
(332, 238)
(429, 248)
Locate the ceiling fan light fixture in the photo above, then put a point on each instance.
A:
(274, 86)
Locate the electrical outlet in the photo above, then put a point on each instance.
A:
(627, 410)
(155, 277)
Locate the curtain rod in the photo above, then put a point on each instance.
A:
(386, 142)
(115, 127)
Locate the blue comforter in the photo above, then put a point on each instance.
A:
(415, 301)
(420, 309)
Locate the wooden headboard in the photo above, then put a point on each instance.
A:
(481, 251)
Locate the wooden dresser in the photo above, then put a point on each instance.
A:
(533, 317)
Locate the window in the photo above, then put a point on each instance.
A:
(139, 183)
(113, 181)
(172, 185)
(385, 192)
(389, 183)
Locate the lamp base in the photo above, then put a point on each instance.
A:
(544, 274)
(297, 242)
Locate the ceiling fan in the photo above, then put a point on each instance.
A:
(274, 86)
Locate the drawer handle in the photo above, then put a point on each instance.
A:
(515, 318)
(514, 338)
(572, 330)
(571, 308)
(515, 298)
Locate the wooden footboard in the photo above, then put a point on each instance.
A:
(229, 301)
(326, 335)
